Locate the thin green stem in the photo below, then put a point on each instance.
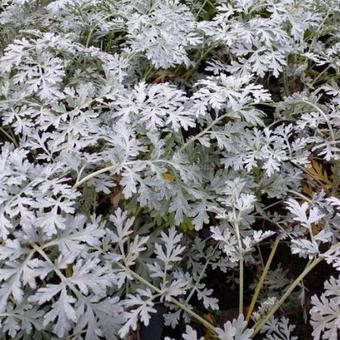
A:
(173, 300)
(262, 278)
(201, 8)
(204, 322)
(79, 182)
(198, 61)
(12, 139)
(93, 174)
(241, 287)
(320, 74)
(62, 277)
(201, 275)
(316, 35)
(272, 205)
(301, 196)
(202, 133)
(140, 278)
(87, 44)
(322, 114)
(241, 253)
(279, 121)
(147, 73)
(259, 325)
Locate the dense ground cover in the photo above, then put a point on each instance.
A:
(169, 162)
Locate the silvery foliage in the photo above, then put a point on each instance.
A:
(230, 330)
(75, 98)
(279, 329)
(325, 311)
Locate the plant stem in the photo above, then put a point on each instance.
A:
(324, 116)
(12, 139)
(89, 38)
(241, 285)
(301, 196)
(203, 132)
(320, 74)
(262, 278)
(172, 300)
(241, 273)
(93, 174)
(258, 326)
(147, 73)
(111, 167)
(62, 277)
(201, 275)
(201, 8)
(204, 322)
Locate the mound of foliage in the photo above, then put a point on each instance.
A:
(150, 148)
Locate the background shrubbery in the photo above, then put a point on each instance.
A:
(169, 158)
